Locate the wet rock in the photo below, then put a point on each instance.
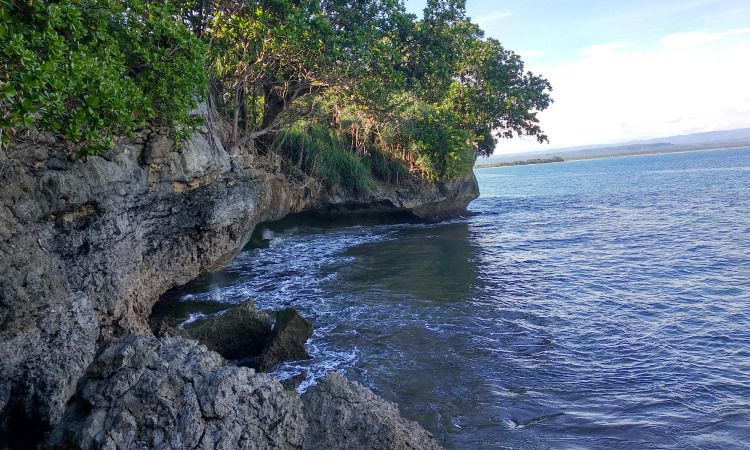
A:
(287, 341)
(342, 414)
(294, 382)
(142, 392)
(237, 333)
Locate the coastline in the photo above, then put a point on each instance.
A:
(88, 248)
(574, 159)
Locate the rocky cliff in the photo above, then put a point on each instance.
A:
(87, 247)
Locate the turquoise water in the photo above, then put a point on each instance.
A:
(591, 304)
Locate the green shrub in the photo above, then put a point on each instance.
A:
(385, 167)
(322, 152)
(90, 69)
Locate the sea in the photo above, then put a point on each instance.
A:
(585, 304)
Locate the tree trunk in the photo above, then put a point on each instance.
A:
(274, 106)
(243, 111)
(236, 116)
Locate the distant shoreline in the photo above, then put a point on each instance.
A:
(526, 162)
(618, 155)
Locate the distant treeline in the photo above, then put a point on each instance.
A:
(522, 163)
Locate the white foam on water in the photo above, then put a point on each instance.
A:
(193, 317)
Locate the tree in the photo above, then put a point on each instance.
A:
(91, 69)
(378, 83)
(494, 97)
(264, 56)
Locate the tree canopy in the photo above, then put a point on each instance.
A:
(428, 94)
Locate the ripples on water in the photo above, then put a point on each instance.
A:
(595, 304)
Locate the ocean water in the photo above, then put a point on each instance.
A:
(591, 304)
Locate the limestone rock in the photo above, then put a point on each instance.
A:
(172, 393)
(146, 393)
(87, 246)
(430, 202)
(158, 149)
(342, 414)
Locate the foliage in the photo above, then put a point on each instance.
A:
(90, 69)
(264, 56)
(166, 61)
(322, 152)
(385, 167)
(345, 89)
(444, 149)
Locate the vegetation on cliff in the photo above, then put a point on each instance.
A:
(345, 89)
(90, 69)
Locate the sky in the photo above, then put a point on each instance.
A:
(626, 70)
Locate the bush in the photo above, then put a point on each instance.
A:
(385, 167)
(322, 152)
(90, 69)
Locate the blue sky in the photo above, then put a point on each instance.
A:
(627, 70)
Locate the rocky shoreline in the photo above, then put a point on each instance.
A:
(87, 248)
(143, 392)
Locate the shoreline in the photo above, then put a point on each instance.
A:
(623, 156)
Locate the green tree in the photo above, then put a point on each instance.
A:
(494, 97)
(375, 85)
(266, 55)
(91, 69)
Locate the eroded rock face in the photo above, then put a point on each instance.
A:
(87, 247)
(172, 393)
(146, 393)
(342, 414)
(431, 202)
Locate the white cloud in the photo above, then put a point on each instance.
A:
(602, 50)
(494, 17)
(618, 93)
(528, 54)
(696, 38)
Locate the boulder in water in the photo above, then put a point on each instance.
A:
(240, 332)
(287, 341)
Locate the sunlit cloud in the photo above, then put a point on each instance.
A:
(696, 38)
(615, 92)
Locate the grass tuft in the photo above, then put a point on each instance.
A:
(323, 153)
